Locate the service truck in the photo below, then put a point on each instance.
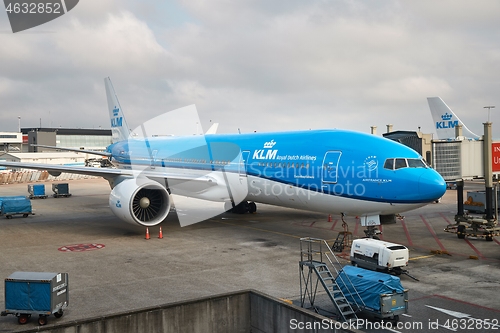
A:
(379, 255)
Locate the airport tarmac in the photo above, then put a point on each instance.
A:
(113, 268)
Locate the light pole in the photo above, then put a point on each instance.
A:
(19, 123)
(489, 108)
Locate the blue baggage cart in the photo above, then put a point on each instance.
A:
(15, 205)
(36, 293)
(37, 191)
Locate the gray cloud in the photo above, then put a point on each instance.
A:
(256, 65)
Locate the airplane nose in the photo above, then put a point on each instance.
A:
(431, 185)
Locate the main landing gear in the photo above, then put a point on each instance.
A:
(241, 208)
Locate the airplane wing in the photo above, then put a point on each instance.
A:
(110, 173)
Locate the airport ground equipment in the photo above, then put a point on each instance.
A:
(476, 202)
(344, 238)
(15, 205)
(382, 294)
(322, 268)
(474, 226)
(36, 293)
(37, 191)
(61, 190)
(379, 255)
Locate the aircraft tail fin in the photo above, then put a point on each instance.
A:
(445, 120)
(119, 128)
(213, 129)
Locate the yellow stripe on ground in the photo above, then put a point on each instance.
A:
(422, 257)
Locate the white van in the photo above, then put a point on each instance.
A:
(379, 255)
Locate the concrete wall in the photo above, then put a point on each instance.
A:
(247, 311)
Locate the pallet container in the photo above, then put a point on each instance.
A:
(61, 190)
(37, 191)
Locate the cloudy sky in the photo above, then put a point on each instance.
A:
(256, 65)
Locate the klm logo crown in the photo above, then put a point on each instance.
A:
(446, 116)
(269, 144)
(116, 111)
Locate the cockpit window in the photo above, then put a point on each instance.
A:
(399, 163)
(416, 163)
(389, 164)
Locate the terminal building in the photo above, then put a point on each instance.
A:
(89, 139)
(19, 147)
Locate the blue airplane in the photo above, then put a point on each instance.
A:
(331, 171)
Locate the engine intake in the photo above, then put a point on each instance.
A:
(141, 200)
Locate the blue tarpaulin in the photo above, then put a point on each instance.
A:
(27, 295)
(17, 204)
(369, 286)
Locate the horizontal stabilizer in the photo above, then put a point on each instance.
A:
(92, 152)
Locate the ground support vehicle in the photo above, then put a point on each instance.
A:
(15, 205)
(379, 255)
(36, 293)
(474, 226)
(382, 294)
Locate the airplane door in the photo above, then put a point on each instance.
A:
(153, 158)
(243, 162)
(330, 167)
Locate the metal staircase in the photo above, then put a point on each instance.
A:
(322, 268)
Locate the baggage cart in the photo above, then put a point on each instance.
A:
(36, 293)
(37, 191)
(15, 205)
(61, 190)
(382, 294)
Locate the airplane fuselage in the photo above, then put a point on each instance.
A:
(322, 170)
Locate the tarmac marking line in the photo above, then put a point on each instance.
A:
(433, 233)
(334, 224)
(405, 228)
(445, 218)
(464, 302)
(475, 249)
(422, 257)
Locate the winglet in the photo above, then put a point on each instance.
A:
(119, 128)
(445, 119)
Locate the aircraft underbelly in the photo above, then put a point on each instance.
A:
(275, 193)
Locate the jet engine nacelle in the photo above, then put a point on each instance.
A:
(140, 200)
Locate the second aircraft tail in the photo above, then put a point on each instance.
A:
(445, 120)
(119, 127)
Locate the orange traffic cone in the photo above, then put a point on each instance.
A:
(329, 218)
(160, 235)
(147, 233)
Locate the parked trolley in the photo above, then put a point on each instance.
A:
(36, 293)
(15, 205)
